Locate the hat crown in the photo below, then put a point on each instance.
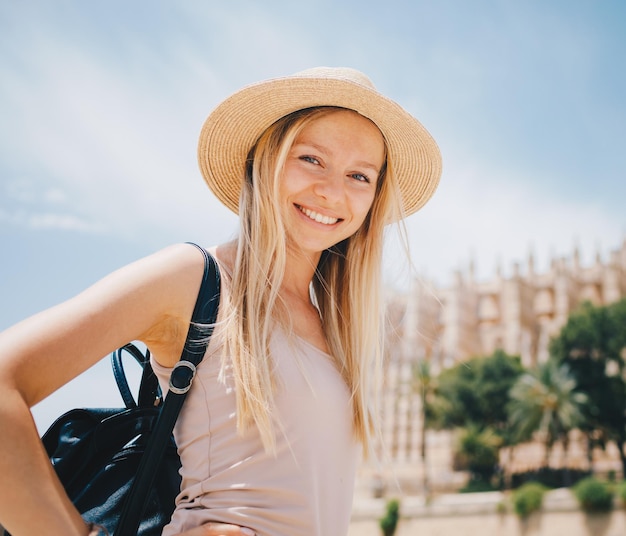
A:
(338, 73)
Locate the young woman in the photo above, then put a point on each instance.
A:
(316, 165)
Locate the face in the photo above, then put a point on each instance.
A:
(329, 179)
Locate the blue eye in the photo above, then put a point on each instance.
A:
(310, 159)
(360, 177)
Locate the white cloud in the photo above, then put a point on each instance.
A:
(120, 155)
(105, 137)
(478, 215)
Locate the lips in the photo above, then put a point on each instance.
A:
(317, 217)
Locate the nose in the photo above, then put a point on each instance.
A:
(330, 187)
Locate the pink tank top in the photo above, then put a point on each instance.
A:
(307, 488)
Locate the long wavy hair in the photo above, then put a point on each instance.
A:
(346, 287)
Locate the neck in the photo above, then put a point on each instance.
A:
(299, 272)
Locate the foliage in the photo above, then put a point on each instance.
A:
(549, 476)
(476, 392)
(528, 498)
(501, 507)
(621, 492)
(473, 396)
(545, 400)
(594, 495)
(593, 344)
(475, 485)
(424, 383)
(389, 522)
(477, 451)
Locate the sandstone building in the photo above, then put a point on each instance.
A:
(517, 313)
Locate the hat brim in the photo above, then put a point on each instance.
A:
(236, 124)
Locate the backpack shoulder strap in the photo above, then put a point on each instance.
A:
(200, 330)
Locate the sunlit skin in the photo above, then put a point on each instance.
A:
(329, 180)
(218, 529)
(330, 175)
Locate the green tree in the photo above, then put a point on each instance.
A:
(593, 345)
(478, 452)
(473, 396)
(424, 385)
(476, 392)
(546, 401)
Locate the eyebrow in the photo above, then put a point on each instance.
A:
(321, 149)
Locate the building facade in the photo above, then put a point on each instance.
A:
(519, 314)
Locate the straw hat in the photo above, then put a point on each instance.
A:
(234, 126)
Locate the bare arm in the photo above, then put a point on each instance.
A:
(150, 300)
(218, 529)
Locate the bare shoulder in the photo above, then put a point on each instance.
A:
(172, 279)
(164, 282)
(179, 264)
(151, 300)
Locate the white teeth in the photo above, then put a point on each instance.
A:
(319, 218)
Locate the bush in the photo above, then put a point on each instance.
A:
(389, 522)
(621, 492)
(550, 477)
(594, 495)
(477, 485)
(528, 498)
(478, 451)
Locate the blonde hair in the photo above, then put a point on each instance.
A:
(346, 287)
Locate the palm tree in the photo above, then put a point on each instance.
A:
(423, 384)
(546, 401)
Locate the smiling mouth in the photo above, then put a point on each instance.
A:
(317, 217)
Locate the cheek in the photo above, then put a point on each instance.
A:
(289, 181)
(285, 186)
(365, 206)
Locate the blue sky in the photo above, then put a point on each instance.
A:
(102, 102)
